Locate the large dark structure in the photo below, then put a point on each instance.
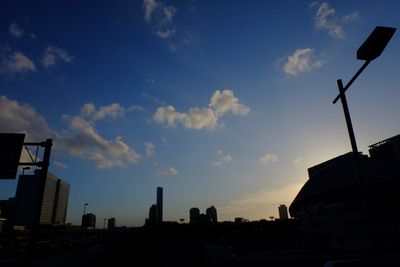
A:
(197, 217)
(333, 208)
(54, 200)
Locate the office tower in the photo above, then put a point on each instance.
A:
(153, 213)
(89, 220)
(283, 212)
(159, 214)
(61, 202)
(211, 213)
(27, 198)
(194, 214)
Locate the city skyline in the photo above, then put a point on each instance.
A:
(221, 104)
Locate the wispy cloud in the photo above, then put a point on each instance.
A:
(160, 16)
(221, 102)
(60, 165)
(170, 171)
(221, 158)
(149, 148)
(114, 110)
(15, 30)
(165, 33)
(16, 63)
(54, 54)
(326, 20)
(302, 60)
(268, 158)
(149, 6)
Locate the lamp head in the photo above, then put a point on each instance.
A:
(375, 43)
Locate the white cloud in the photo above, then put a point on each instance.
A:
(326, 19)
(199, 118)
(221, 103)
(79, 139)
(267, 158)
(149, 149)
(15, 30)
(225, 101)
(169, 115)
(221, 158)
(83, 140)
(21, 118)
(16, 63)
(60, 165)
(301, 60)
(53, 54)
(149, 7)
(167, 171)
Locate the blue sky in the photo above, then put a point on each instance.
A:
(223, 103)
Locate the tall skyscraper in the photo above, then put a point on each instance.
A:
(159, 214)
(283, 212)
(61, 202)
(27, 198)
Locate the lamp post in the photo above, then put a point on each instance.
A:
(372, 48)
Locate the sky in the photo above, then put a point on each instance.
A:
(223, 103)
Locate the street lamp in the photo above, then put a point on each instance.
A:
(368, 51)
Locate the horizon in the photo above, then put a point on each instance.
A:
(220, 104)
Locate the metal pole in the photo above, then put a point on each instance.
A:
(352, 80)
(356, 156)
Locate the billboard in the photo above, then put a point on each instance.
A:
(10, 153)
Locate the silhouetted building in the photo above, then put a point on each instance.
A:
(159, 214)
(194, 214)
(89, 220)
(27, 198)
(153, 213)
(283, 212)
(334, 207)
(61, 202)
(111, 223)
(211, 212)
(197, 217)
